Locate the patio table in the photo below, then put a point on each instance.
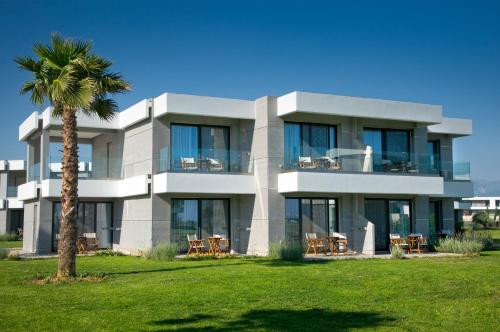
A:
(333, 241)
(214, 243)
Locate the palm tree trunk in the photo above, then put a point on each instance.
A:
(69, 197)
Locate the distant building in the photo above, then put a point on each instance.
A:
(12, 174)
(477, 204)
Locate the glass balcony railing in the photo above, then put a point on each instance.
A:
(95, 169)
(34, 172)
(204, 161)
(11, 191)
(366, 161)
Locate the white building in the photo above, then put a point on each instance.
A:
(12, 174)
(481, 203)
(254, 171)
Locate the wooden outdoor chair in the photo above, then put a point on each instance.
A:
(195, 246)
(314, 243)
(92, 241)
(188, 164)
(81, 244)
(397, 241)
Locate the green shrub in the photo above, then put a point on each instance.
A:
(10, 236)
(13, 256)
(396, 252)
(108, 252)
(4, 253)
(460, 245)
(484, 237)
(286, 251)
(162, 251)
(481, 218)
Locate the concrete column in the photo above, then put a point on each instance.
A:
(421, 215)
(267, 225)
(420, 150)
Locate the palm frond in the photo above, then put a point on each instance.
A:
(104, 108)
(28, 64)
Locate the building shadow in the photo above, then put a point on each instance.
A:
(281, 320)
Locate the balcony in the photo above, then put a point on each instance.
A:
(361, 171)
(210, 171)
(98, 178)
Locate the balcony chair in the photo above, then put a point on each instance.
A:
(188, 164)
(331, 163)
(341, 242)
(195, 245)
(224, 244)
(306, 162)
(314, 243)
(215, 164)
(397, 241)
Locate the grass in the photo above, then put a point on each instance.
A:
(11, 244)
(495, 235)
(255, 295)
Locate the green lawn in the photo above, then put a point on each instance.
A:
(453, 294)
(495, 235)
(11, 244)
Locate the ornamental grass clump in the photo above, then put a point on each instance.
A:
(396, 252)
(9, 236)
(286, 252)
(162, 251)
(460, 245)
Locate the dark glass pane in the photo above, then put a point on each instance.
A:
(373, 138)
(318, 140)
(104, 224)
(184, 144)
(434, 157)
(397, 145)
(399, 217)
(376, 212)
(184, 221)
(332, 143)
(215, 145)
(215, 218)
(292, 220)
(292, 145)
(56, 223)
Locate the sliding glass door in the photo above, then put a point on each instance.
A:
(389, 146)
(435, 221)
(388, 216)
(203, 217)
(306, 215)
(92, 217)
(308, 140)
(194, 143)
(434, 157)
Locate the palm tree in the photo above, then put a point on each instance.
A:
(70, 78)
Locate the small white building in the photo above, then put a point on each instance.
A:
(12, 175)
(482, 203)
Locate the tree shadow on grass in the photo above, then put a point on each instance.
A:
(283, 263)
(281, 320)
(171, 269)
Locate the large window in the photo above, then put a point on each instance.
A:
(388, 216)
(389, 146)
(199, 144)
(434, 157)
(308, 140)
(93, 217)
(435, 219)
(203, 217)
(306, 215)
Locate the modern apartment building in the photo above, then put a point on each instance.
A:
(255, 172)
(12, 174)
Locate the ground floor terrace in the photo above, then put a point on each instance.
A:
(136, 224)
(255, 294)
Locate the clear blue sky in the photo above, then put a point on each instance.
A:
(435, 52)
